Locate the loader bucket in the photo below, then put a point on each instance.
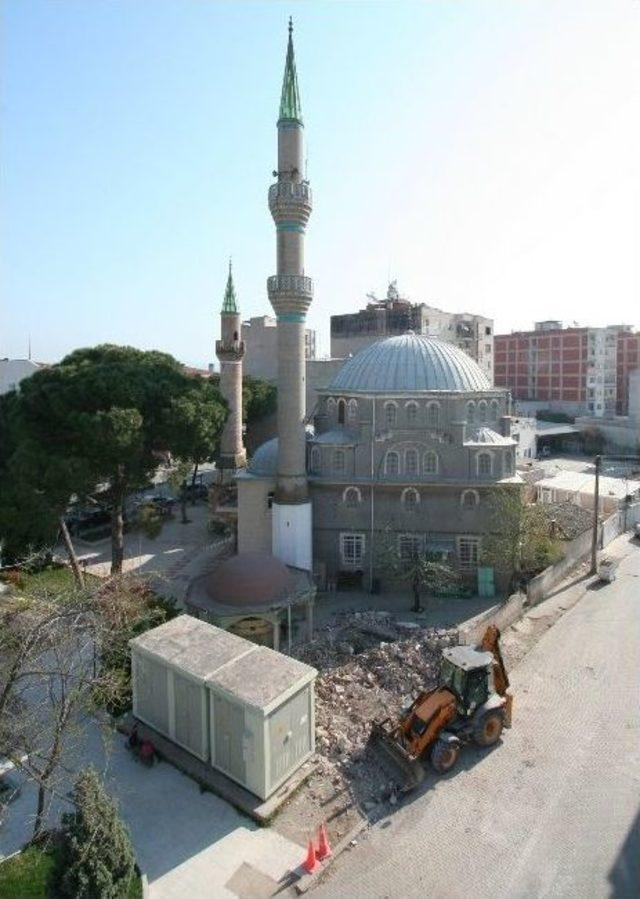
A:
(403, 767)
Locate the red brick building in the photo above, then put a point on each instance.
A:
(582, 371)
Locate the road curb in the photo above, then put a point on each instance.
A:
(308, 880)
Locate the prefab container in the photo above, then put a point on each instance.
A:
(245, 709)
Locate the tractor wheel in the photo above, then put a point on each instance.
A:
(444, 755)
(487, 729)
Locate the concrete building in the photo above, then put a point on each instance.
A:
(352, 332)
(523, 431)
(580, 371)
(579, 487)
(621, 433)
(260, 337)
(230, 351)
(12, 371)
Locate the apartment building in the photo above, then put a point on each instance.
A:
(580, 371)
(395, 315)
(260, 336)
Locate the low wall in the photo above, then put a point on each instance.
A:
(612, 527)
(502, 615)
(575, 551)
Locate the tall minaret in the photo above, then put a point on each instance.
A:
(290, 294)
(230, 350)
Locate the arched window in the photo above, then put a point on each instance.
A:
(342, 408)
(484, 463)
(390, 414)
(471, 412)
(316, 460)
(469, 499)
(338, 460)
(410, 499)
(482, 411)
(331, 406)
(352, 410)
(433, 415)
(351, 497)
(392, 463)
(412, 413)
(430, 463)
(495, 409)
(411, 462)
(508, 464)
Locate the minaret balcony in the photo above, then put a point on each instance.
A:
(290, 293)
(230, 352)
(290, 201)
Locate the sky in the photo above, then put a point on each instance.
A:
(483, 153)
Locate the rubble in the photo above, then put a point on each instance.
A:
(371, 666)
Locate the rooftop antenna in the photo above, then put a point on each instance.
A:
(29, 347)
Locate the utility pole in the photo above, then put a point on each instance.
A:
(596, 503)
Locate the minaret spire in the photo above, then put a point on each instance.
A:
(229, 303)
(290, 105)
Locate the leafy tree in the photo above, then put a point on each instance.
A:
(97, 858)
(104, 417)
(422, 571)
(259, 398)
(520, 542)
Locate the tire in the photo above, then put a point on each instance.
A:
(444, 756)
(488, 728)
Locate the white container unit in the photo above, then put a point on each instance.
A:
(245, 709)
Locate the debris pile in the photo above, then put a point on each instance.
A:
(371, 666)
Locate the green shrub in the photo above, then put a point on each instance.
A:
(96, 859)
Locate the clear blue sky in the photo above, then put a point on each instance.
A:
(485, 154)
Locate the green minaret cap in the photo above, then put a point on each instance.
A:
(229, 305)
(290, 105)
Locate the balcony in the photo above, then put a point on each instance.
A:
(290, 293)
(290, 201)
(230, 352)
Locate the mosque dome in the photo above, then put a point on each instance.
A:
(250, 579)
(264, 461)
(410, 363)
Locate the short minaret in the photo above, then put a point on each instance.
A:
(230, 350)
(290, 294)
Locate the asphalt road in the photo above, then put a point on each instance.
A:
(554, 809)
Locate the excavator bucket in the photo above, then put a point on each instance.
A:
(401, 765)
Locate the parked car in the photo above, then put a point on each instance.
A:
(196, 491)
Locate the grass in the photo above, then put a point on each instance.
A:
(30, 875)
(51, 582)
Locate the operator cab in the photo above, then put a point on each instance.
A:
(468, 673)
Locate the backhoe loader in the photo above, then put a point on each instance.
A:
(471, 702)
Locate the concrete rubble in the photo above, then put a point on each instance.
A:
(371, 666)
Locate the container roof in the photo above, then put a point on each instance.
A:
(254, 675)
(410, 363)
(467, 658)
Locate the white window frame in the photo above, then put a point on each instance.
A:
(339, 454)
(391, 404)
(352, 550)
(482, 412)
(430, 454)
(331, 406)
(416, 456)
(408, 544)
(352, 410)
(476, 499)
(403, 499)
(386, 462)
(345, 494)
(468, 552)
(483, 454)
(412, 410)
(434, 404)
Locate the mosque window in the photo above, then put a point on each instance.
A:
(392, 463)
(471, 412)
(390, 414)
(412, 413)
(468, 552)
(342, 408)
(352, 550)
(484, 463)
(351, 497)
(508, 464)
(410, 546)
(469, 499)
(495, 408)
(430, 462)
(410, 499)
(352, 410)
(433, 415)
(331, 406)
(411, 462)
(338, 460)
(482, 411)
(316, 460)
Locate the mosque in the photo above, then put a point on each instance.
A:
(407, 444)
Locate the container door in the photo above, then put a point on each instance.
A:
(229, 732)
(289, 732)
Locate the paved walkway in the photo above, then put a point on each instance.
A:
(551, 811)
(191, 845)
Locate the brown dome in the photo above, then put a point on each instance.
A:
(250, 579)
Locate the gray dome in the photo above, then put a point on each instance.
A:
(265, 459)
(409, 363)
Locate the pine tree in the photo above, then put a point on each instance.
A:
(97, 859)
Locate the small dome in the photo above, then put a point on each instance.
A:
(410, 363)
(265, 459)
(250, 579)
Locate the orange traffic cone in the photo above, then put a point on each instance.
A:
(324, 849)
(311, 864)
